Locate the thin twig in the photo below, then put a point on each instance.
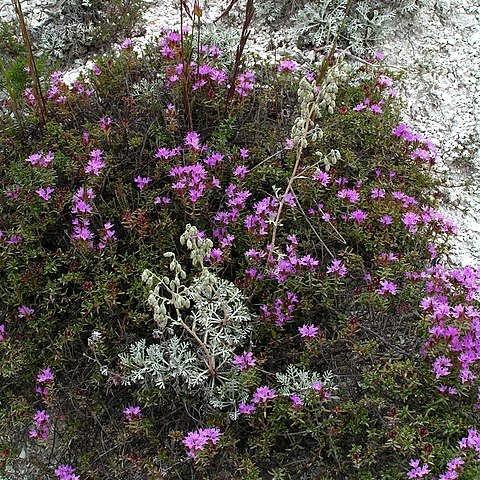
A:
(249, 14)
(312, 227)
(185, 70)
(36, 87)
(226, 12)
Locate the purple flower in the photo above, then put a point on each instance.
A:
(385, 81)
(263, 394)
(308, 331)
(200, 439)
(358, 215)
(244, 361)
(12, 192)
(132, 413)
(246, 409)
(337, 267)
(323, 178)
(287, 66)
(162, 200)
(386, 220)
(387, 287)
(192, 140)
(244, 84)
(297, 402)
(41, 429)
(14, 240)
(377, 193)
(45, 376)
(377, 109)
(45, 193)
(25, 312)
(105, 125)
(142, 182)
(3, 334)
(213, 159)
(241, 171)
(417, 471)
(66, 472)
(95, 164)
(351, 195)
(96, 71)
(441, 367)
(40, 159)
(410, 220)
(126, 44)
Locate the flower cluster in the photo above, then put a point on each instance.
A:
(200, 440)
(422, 149)
(261, 395)
(132, 413)
(66, 472)
(41, 419)
(96, 163)
(40, 159)
(282, 309)
(244, 361)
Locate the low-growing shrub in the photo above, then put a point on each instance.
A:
(296, 322)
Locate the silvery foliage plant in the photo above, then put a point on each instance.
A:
(200, 326)
(316, 22)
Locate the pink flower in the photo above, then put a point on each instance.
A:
(417, 471)
(25, 312)
(441, 367)
(2, 333)
(241, 171)
(287, 66)
(45, 193)
(95, 164)
(192, 140)
(45, 376)
(263, 394)
(126, 44)
(386, 220)
(308, 331)
(246, 409)
(132, 413)
(40, 159)
(244, 361)
(358, 215)
(410, 220)
(142, 182)
(66, 472)
(323, 178)
(337, 267)
(387, 287)
(200, 439)
(385, 81)
(105, 124)
(297, 402)
(14, 240)
(320, 389)
(244, 84)
(377, 109)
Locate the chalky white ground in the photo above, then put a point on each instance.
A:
(438, 49)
